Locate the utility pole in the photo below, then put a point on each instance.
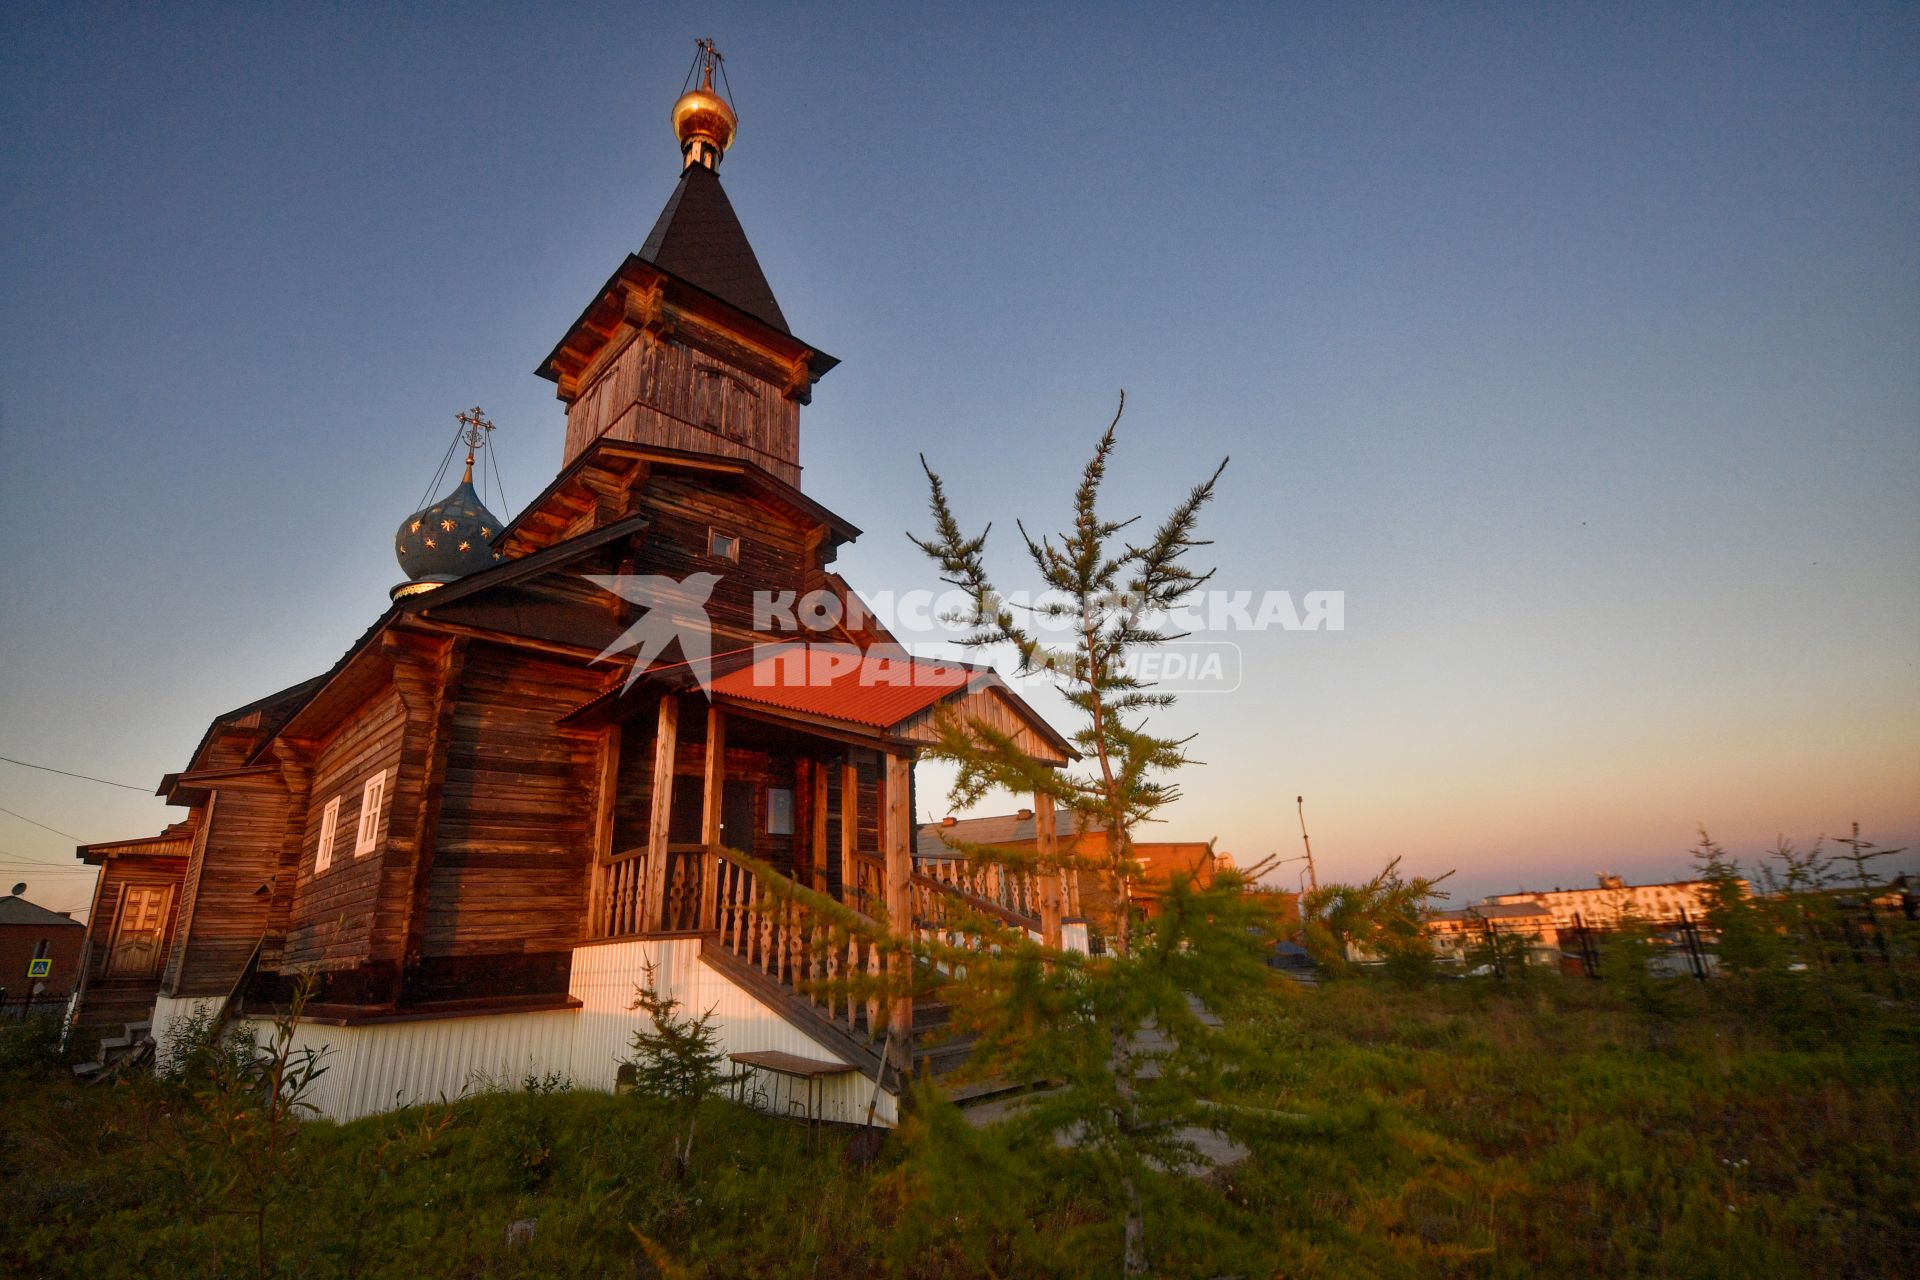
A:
(1300, 802)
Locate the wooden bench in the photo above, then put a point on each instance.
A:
(815, 1071)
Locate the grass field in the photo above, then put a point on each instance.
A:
(1543, 1128)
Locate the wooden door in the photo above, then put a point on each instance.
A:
(737, 816)
(138, 933)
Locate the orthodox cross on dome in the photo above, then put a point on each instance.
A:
(704, 119)
(452, 537)
(475, 432)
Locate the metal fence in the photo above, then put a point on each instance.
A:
(18, 1008)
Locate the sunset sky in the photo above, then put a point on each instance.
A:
(1579, 347)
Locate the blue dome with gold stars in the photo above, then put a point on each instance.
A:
(448, 540)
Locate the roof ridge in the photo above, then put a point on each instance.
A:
(15, 909)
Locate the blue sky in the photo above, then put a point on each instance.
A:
(1579, 346)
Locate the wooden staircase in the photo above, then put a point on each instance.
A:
(134, 1042)
(797, 961)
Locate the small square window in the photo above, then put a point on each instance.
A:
(723, 546)
(329, 828)
(370, 798)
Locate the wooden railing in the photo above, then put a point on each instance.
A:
(941, 912)
(794, 945)
(1012, 889)
(622, 907)
(686, 865)
(863, 883)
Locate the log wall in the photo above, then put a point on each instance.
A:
(239, 855)
(333, 923)
(517, 805)
(774, 548)
(659, 391)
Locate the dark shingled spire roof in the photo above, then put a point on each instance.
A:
(699, 239)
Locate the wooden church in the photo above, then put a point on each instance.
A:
(484, 823)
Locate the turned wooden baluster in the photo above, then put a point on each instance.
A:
(832, 962)
(815, 962)
(729, 876)
(782, 928)
(766, 930)
(617, 905)
(853, 967)
(743, 914)
(741, 887)
(796, 921)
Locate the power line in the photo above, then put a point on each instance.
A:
(84, 777)
(52, 860)
(43, 826)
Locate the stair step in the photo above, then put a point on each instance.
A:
(943, 1057)
(983, 1091)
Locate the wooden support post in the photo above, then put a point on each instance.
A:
(607, 787)
(817, 819)
(430, 697)
(663, 749)
(711, 811)
(896, 842)
(296, 772)
(1052, 877)
(850, 833)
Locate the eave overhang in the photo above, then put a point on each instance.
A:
(581, 485)
(640, 298)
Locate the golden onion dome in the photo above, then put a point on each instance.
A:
(702, 115)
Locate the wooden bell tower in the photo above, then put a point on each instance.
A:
(685, 346)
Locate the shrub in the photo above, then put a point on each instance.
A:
(31, 1047)
(676, 1059)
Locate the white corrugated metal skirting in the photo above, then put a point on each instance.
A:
(385, 1066)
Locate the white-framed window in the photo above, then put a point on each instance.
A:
(723, 546)
(370, 800)
(329, 828)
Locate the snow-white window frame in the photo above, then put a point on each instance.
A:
(329, 829)
(372, 797)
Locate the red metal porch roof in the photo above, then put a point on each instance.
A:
(842, 683)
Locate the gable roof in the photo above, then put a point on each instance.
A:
(175, 841)
(699, 238)
(17, 910)
(266, 714)
(1000, 828)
